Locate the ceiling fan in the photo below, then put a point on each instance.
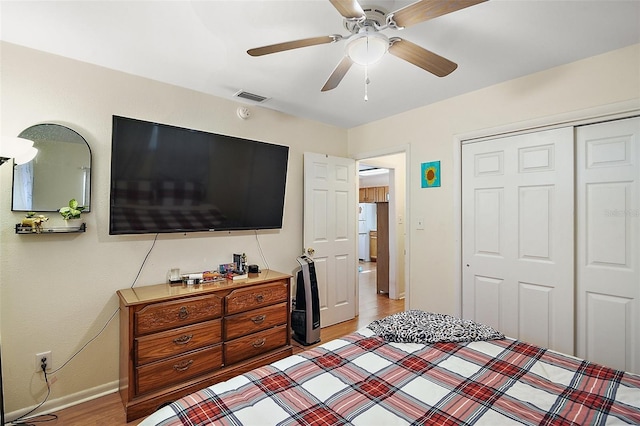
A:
(367, 44)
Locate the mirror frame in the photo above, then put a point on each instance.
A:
(37, 134)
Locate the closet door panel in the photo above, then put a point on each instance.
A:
(517, 231)
(608, 238)
(486, 296)
(609, 322)
(535, 310)
(608, 243)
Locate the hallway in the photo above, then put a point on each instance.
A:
(372, 304)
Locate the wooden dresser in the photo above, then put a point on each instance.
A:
(175, 340)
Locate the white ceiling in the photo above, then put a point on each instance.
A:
(201, 45)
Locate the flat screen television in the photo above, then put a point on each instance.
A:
(171, 179)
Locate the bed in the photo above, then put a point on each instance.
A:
(417, 368)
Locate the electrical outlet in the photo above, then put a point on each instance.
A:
(48, 359)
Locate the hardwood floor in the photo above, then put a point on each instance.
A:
(108, 410)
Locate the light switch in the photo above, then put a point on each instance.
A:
(420, 223)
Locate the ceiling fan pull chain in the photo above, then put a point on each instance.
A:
(366, 83)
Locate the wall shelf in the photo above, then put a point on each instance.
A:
(55, 230)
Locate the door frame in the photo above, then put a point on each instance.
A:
(369, 155)
(593, 115)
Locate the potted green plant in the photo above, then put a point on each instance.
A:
(71, 212)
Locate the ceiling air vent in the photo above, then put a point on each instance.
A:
(250, 96)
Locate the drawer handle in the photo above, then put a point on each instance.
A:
(259, 343)
(259, 298)
(183, 365)
(258, 319)
(184, 313)
(183, 340)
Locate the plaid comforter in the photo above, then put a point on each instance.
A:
(360, 379)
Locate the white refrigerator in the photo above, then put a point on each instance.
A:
(366, 223)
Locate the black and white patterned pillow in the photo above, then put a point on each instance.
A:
(417, 326)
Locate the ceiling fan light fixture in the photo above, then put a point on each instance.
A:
(367, 47)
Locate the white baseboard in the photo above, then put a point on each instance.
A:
(55, 405)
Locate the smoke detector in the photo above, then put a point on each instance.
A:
(243, 112)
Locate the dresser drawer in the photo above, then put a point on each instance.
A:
(175, 370)
(256, 320)
(254, 344)
(245, 299)
(157, 346)
(166, 315)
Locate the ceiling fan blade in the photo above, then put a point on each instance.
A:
(281, 47)
(424, 10)
(338, 74)
(348, 8)
(422, 58)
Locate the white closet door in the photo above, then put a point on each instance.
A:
(608, 247)
(517, 231)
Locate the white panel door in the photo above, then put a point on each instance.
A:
(330, 234)
(608, 243)
(517, 233)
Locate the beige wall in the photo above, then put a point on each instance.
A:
(58, 291)
(431, 132)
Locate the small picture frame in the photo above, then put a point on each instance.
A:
(430, 173)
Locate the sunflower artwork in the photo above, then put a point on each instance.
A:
(430, 174)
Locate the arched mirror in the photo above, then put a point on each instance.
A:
(60, 171)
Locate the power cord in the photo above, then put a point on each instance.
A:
(43, 418)
(144, 261)
(261, 252)
(85, 345)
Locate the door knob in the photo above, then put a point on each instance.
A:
(310, 251)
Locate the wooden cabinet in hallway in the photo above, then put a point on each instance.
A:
(382, 245)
